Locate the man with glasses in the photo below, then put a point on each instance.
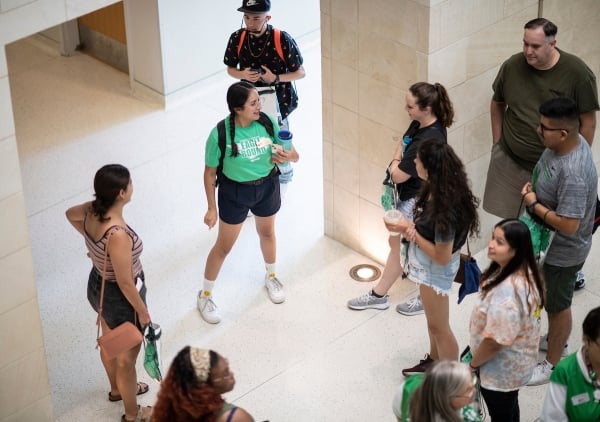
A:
(524, 81)
(563, 194)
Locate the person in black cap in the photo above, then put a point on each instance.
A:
(252, 55)
(266, 57)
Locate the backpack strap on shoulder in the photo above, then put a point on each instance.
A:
(222, 139)
(242, 38)
(277, 35)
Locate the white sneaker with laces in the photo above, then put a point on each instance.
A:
(544, 346)
(275, 289)
(541, 373)
(208, 310)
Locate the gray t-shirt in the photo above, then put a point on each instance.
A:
(568, 184)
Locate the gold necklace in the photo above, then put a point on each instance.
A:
(264, 47)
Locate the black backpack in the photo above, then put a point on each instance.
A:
(222, 137)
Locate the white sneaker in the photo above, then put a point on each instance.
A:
(208, 310)
(275, 289)
(580, 281)
(544, 346)
(541, 373)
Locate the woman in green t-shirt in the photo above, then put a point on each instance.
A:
(239, 158)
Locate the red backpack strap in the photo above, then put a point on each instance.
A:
(242, 38)
(277, 33)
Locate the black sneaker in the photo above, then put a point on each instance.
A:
(420, 367)
(580, 282)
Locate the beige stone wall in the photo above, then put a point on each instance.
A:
(372, 50)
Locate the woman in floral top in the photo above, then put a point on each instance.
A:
(504, 323)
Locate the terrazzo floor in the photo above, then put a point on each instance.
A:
(309, 359)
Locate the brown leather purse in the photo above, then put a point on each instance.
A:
(123, 337)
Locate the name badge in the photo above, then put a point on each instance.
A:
(580, 399)
(597, 394)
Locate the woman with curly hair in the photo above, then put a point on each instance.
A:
(445, 215)
(505, 321)
(191, 391)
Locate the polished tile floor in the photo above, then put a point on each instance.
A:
(309, 359)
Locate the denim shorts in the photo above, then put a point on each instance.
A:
(236, 199)
(423, 270)
(407, 208)
(116, 308)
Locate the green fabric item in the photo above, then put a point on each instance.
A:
(410, 385)
(151, 351)
(541, 235)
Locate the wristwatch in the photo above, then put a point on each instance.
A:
(276, 81)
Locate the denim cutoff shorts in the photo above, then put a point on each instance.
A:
(407, 208)
(423, 270)
(116, 309)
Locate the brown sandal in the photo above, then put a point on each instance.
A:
(142, 388)
(140, 417)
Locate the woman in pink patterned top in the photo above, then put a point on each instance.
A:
(505, 322)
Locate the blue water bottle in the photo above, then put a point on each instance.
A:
(285, 140)
(286, 170)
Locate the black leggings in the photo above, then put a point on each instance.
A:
(502, 406)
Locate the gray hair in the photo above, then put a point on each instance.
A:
(444, 380)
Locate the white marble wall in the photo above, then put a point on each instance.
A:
(374, 49)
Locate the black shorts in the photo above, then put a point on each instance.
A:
(116, 309)
(236, 199)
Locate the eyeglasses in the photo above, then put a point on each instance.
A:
(550, 129)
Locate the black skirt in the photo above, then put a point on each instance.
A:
(116, 309)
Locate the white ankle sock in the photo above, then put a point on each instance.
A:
(270, 269)
(207, 287)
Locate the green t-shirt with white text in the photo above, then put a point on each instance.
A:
(254, 151)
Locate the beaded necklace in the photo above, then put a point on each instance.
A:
(266, 35)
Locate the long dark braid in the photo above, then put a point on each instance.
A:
(234, 148)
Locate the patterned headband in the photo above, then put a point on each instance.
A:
(200, 359)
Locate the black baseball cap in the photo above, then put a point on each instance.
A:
(255, 6)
